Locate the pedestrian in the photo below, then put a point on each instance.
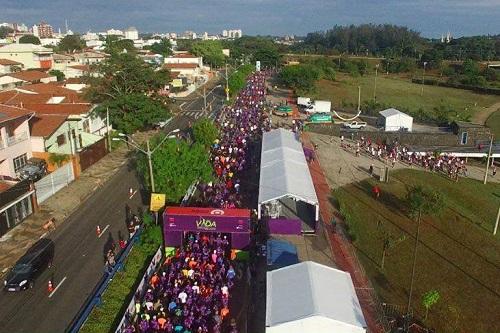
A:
(334, 225)
(340, 170)
(376, 191)
(494, 171)
(131, 228)
(371, 169)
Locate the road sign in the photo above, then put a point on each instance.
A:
(257, 66)
(157, 201)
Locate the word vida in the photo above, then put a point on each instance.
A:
(206, 224)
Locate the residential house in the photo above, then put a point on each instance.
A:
(89, 57)
(62, 61)
(184, 58)
(190, 71)
(15, 145)
(9, 66)
(17, 202)
(76, 71)
(30, 55)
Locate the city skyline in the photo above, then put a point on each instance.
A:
(261, 17)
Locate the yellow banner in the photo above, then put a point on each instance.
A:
(176, 83)
(157, 201)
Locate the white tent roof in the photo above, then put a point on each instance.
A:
(283, 169)
(394, 112)
(307, 290)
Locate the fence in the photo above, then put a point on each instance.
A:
(93, 153)
(94, 298)
(153, 266)
(53, 182)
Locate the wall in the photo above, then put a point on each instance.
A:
(405, 138)
(54, 182)
(37, 144)
(26, 58)
(51, 142)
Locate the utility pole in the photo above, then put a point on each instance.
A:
(375, 88)
(149, 153)
(423, 79)
(488, 161)
(107, 129)
(204, 98)
(227, 85)
(496, 222)
(359, 98)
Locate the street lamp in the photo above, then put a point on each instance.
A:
(375, 88)
(148, 152)
(205, 95)
(423, 78)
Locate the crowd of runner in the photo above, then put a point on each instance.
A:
(239, 125)
(390, 154)
(191, 291)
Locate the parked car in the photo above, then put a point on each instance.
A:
(355, 125)
(319, 118)
(35, 169)
(24, 273)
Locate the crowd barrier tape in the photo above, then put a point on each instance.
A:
(139, 292)
(94, 299)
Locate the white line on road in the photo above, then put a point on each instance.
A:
(57, 287)
(130, 197)
(182, 104)
(45, 234)
(103, 230)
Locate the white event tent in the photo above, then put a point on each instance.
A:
(310, 297)
(284, 172)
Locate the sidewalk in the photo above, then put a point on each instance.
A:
(15, 243)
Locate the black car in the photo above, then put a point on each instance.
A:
(34, 170)
(24, 273)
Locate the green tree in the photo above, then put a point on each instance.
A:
(420, 201)
(389, 241)
(129, 87)
(116, 45)
(163, 47)
(176, 165)
(429, 299)
(58, 74)
(205, 132)
(300, 77)
(210, 50)
(29, 39)
(71, 44)
(237, 80)
(4, 31)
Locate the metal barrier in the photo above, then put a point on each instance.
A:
(94, 298)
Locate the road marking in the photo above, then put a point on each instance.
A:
(130, 197)
(180, 106)
(45, 234)
(57, 287)
(103, 230)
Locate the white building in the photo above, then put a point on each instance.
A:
(30, 55)
(132, 33)
(224, 33)
(113, 32)
(394, 120)
(184, 58)
(90, 36)
(310, 297)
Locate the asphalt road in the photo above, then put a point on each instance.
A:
(78, 261)
(79, 254)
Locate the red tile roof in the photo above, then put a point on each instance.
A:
(30, 76)
(46, 125)
(174, 74)
(52, 88)
(8, 62)
(181, 66)
(61, 109)
(184, 55)
(8, 113)
(84, 68)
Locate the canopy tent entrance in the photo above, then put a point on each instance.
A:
(285, 187)
(179, 220)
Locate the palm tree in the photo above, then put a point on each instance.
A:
(420, 201)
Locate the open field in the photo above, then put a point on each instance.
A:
(458, 255)
(400, 93)
(493, 122)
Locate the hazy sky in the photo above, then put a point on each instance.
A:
(276, 17)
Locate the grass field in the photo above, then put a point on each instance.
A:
(458, 255)
(399, 93)
(493, 123)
